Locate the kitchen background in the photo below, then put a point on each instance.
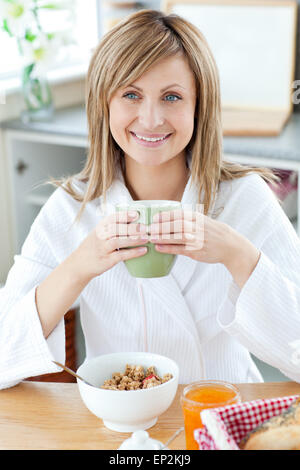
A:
(31, 152)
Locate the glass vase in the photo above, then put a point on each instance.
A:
(37, 96)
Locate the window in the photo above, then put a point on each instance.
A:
(84, 32)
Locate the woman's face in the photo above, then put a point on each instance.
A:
(160, 104)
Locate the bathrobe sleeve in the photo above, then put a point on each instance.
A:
(265, 314)
(24, 351)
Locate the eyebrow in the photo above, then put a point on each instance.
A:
(162, 90)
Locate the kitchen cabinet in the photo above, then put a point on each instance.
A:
(35, 153)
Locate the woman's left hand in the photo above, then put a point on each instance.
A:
(204, 239)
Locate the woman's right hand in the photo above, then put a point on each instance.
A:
(105, 246)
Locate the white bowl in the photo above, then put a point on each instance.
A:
(127, 410)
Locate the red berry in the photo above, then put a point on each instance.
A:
(150, 377)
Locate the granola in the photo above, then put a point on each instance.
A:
(135, 378)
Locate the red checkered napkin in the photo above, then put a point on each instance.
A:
(225, 427)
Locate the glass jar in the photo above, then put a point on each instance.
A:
(199, 396)
(37, 96)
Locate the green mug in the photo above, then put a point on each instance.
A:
(153, 263)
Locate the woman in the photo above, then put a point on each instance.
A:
(153, 77)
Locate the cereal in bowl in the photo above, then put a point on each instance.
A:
(135, 378)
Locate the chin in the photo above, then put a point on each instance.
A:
(153, 161)
(149, 159)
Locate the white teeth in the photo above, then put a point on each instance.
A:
(150, 139)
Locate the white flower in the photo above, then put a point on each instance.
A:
(46, 52)
(44, 49)
(42, 52)
(18, 15)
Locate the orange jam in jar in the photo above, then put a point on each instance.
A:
(201, 395)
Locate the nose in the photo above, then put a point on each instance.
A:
(150, 115)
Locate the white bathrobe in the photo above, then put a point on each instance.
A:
(196, 315)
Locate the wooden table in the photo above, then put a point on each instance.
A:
(35, 415)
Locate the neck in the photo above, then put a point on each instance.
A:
(160, 182)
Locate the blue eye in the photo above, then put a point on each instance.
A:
(177, 97)
(127, 95)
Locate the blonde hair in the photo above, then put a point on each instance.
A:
(122, 56)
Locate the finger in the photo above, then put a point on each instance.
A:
(174, 239)
(103, 229)
(116, 229)
(197, 217)
(125, 230)
(180, 249)
(117, 243)
(122, 216)
(123, 255)
(173, 215)
(176, 226)
(171, 249)
(177, 230)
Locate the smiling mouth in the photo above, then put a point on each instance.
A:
(150, 139)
